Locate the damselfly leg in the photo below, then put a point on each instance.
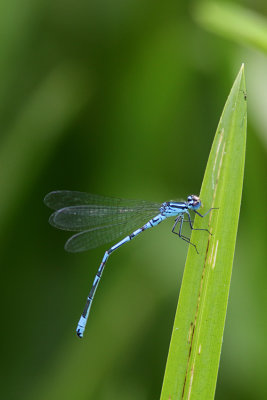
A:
(180, 219)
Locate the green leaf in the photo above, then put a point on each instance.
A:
(195, 348)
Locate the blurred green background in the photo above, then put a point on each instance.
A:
(121, 98)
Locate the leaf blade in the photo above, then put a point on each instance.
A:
(195, 348)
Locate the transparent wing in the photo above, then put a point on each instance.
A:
(67, 198)
(77, 211)
(86, 217)
(94, 237)
(99, 219)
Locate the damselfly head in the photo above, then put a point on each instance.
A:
(193, 202)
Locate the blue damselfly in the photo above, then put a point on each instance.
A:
(99, 220)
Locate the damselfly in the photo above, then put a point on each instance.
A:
(100, 220)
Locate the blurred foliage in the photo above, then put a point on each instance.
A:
(118, 98)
